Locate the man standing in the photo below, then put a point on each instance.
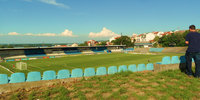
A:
(193, 51)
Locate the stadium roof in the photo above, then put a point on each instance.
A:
(3, 49)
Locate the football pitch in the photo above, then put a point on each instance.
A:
(84, 61)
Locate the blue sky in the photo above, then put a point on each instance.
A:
(55, 21)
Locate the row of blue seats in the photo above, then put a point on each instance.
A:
(62, 74)
(129, 49)
(36, 55)
(173, 60)
(156, 49)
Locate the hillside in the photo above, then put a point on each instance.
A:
(121, 86)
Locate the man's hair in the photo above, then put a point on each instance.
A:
(192, 27)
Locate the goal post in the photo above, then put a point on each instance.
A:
(21, 66)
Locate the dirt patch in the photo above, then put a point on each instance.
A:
(154, 84)
(106, 95)
(89, 95)
(145, 80)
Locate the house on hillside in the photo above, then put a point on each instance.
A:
(114, 38)
(74, 45)
(92, 43)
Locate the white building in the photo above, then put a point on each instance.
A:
(146, 37)
(114, 38)
(150, 36)
(74, 45)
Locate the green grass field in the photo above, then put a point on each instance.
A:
(3, 71)
(168, 85)
(83, 61)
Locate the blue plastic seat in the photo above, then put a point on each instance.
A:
(62, 74)
(49, 75)
(17, 78)
(3, 78)
(77, 73)
(122, 68)
(166, 60)
(101, 71)
(112, 70)
(175, 60)
(89, 72)
(132, 68)
(150, 66)
(33, 76)
(141, 67)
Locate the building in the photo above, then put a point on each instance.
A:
(92, 43)
(74, 45)
(114, 38)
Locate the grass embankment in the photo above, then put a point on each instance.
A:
(168, 85)
(3, 71)
(84, 61)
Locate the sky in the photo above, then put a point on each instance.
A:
(76, 21)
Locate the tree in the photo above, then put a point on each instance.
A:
(83, 44)
(156, 39)
(175, 39)
(123, 40)
(103, 43)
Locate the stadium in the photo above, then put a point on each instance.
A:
(99, 50)
(54, 65)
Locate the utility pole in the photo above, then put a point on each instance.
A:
(121, 40)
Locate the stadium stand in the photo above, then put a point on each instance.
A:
(141, 50)
(62, 74)
(34, 52)
(3, 78)
(141, 67)
(17, 78)
(71, 51)
(101, 71)
(129, 49)
(77, 73)
(112, 69)
(89, 72)
(156, 49)
(98, 49)
(149, 66)
(33, 76)
(49, 75)
(122, 68)
(132, 68)
(18, 54)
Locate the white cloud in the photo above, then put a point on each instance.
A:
(30, 34)
(13, 33)
(41, 34)
(67, 33)
(46, 34)
(51, 2)
(104, 33)
(54, 2)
